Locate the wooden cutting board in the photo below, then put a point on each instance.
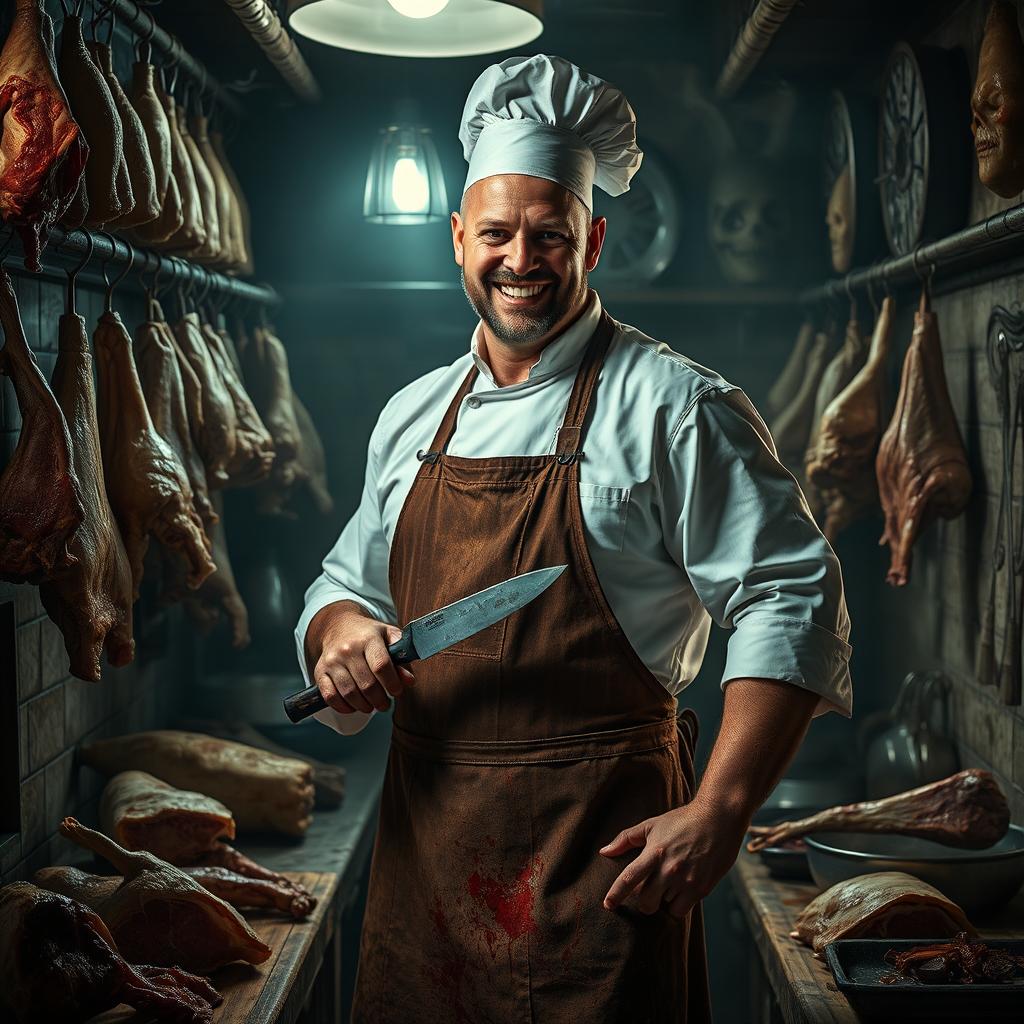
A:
(259, 995)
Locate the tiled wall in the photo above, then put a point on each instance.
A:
(54, 711)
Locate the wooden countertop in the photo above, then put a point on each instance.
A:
(276, 990)
(803, 986)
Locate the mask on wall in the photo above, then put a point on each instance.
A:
(839, 217)
(751, 224)
(998, 103)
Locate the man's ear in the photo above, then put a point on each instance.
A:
(458, 232)
(595, 241)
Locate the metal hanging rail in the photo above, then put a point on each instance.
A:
(140, 21)
(982, 248)
(66, 248)
(263, 24)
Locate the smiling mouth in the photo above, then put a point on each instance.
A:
(520, 294)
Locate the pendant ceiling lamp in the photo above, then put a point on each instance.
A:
(419, 28)
(404, 184)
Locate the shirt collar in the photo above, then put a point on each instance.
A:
(565, 351)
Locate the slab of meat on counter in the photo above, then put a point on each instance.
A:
(886, 905)
(263, 791)
(158, 914)
(59, 962)
(967, 809)
(142, 812)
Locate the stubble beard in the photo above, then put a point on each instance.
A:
(518, 328)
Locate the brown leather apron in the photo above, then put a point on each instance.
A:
(514, 758)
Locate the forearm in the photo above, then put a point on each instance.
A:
(763, 725)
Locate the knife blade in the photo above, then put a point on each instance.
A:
(438, 630)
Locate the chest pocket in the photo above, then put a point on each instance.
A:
(604, 515)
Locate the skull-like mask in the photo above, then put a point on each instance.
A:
(839, 217)
(998, 104)
(751, 224)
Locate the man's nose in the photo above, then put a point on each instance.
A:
(520, 257)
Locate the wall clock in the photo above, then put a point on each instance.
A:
(923, 145)
(852, 211)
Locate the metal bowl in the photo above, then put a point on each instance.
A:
(974, 879)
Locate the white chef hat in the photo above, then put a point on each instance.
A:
(545, 117)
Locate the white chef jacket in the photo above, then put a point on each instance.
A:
(688, 513)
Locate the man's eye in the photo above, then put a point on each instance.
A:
(551, 236)
(493, 233)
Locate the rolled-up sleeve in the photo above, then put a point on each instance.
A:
(737, 523)
(355, 569)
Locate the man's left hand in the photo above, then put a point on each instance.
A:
(684, 854)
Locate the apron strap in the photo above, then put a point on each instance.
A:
(570, 434)
(447, 427)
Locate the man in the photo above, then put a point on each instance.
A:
(541, 853)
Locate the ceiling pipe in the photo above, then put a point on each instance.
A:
(755, 37)
(274, 40)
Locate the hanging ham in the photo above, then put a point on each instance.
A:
(137, 160)
(192, 233)
(218, 440)
(161, 376)
(42, 150)
(853, 422)
(312, 459)
(41, 504)
(788, 382)
(791, 427)
(91, 601)
(210, 249)
(148, 486)
(228, 256)
(59, 962)
(106, 193)
(922, 465)
(240, 219)
(254, 447)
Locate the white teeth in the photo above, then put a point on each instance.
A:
(521, 293)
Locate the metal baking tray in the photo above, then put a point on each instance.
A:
(859, 964)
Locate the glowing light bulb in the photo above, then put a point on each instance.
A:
(410, 190)
(419, 8)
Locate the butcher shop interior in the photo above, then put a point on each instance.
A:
(333, 680)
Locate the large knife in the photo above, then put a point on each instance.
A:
(432, 633)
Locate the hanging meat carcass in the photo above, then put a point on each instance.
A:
(922, 466)
(41, 504)
(148, 486)
(91, 601)
(240, 219)
(161, 375)
(42, 150)
(106, 191)
(59, 962)
(852, 425)
(192, 233)
(137, 160)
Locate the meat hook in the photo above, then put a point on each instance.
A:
(73, 273)
(144, 44)
(152, 289)
(926, 282)
(112, 284)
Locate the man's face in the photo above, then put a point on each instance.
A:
(525, 246)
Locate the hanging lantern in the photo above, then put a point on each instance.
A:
(419, 28)
(404, 184)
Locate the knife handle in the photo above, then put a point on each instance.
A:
(299, 706)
